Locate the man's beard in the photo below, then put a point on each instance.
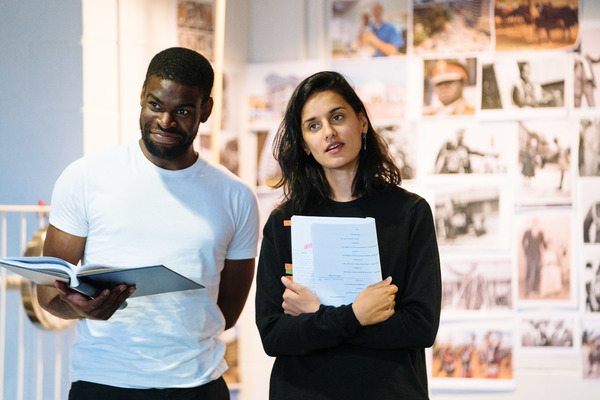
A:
(166, 152)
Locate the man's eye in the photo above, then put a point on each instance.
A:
(183, 112)
(154, 105)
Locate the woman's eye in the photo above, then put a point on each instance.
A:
(337, 117)
(312, 127)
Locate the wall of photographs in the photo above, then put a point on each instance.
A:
(490, 109)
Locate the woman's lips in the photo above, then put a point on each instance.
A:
(334, 147)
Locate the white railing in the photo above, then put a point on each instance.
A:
(33, 353)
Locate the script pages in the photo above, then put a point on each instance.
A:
(335, 257)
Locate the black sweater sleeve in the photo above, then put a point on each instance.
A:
(284, 334)
(418, 301)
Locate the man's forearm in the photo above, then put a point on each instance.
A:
(49, 299)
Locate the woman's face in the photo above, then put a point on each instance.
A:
(332, 132)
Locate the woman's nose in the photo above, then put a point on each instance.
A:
(329, 131)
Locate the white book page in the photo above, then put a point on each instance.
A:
(336, 258)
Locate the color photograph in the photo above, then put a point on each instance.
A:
(441, 26)
(449, 87)
(536, 24)
(366, 29)
(474, 355)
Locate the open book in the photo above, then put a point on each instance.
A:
(91, 279)
(335, 257)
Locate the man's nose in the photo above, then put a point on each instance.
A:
(166, 120)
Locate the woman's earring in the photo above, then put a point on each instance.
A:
(364, 140)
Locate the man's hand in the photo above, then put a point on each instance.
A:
(101, 308)
(375, 303)
(298, 299)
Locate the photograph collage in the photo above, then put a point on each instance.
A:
(490, 110)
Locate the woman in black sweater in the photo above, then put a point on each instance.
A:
(334, 164)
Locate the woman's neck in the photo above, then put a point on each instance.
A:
(341, 187)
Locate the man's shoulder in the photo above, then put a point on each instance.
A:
(109, 154)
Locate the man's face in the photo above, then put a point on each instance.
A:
(377, 12)
(170, 116)
(524, 72)
(449, 91)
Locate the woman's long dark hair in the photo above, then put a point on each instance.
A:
(303, 180)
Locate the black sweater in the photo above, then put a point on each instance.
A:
(327, 354)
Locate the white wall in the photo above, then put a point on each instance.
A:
(40, 77)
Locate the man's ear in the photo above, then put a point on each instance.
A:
(142, 94)
(206, 109)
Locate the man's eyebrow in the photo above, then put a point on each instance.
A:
(182, 105)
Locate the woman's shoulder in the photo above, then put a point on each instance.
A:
(398, 193)
(277, 217)
(400, 201)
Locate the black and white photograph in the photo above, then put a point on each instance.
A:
(549, 333)
(467, 148)
(401, 139)
(546, 165)
(586, 67)
(545, 257)
(589, 146)
(590, 211)
(589, 265)
(471, 217)
(367, 29)
(523, 85)
(476, 284)
(590, 349)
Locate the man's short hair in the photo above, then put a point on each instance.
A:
(184, 66)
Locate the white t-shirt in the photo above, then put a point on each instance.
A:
(134, 213)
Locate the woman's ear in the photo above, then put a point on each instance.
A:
(364, 122)
(306, 149)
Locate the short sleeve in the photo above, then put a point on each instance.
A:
(244, 243)
(67, 211)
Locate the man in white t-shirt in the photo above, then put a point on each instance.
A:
(155, 201)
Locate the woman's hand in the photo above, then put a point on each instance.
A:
(375, 303)
(298, 299)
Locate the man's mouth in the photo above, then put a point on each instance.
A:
(166, 137)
